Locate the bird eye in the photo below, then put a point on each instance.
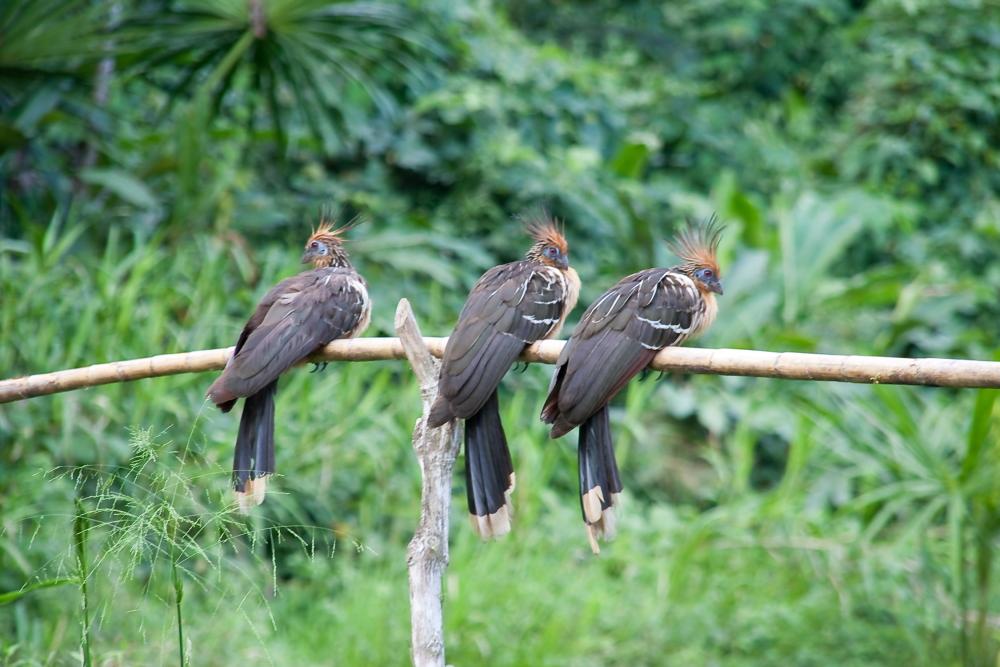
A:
(314, 245)
(706, 274)
(551, 251)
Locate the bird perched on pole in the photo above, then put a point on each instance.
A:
(296, 318)
(617, 337)
(510, 307)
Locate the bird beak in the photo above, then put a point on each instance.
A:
(563, 262)
(716, 286)
(307, 257)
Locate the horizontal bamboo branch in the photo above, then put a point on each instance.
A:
(784, 365)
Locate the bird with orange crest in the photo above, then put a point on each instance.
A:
(294, 320)
(617, 337)
(510, 307)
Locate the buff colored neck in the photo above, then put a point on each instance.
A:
(572, 291)
(336, 259)
(711, 310)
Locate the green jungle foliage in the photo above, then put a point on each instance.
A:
(162, 161)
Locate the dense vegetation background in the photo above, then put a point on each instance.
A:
(162, 162)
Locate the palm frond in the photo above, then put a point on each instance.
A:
(307, 58)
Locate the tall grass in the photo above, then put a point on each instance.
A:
(80, 529)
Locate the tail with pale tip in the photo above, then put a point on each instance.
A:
(253, 460)
(600, 484)
(489, 472)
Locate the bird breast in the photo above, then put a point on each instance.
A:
(569, 287)
(358, 285)
(705, 315)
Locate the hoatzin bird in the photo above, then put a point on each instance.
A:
(296, 318)
(617, 337)
(510, 307)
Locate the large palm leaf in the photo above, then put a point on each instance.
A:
(46, 50)
(314, 58)
(47, 36)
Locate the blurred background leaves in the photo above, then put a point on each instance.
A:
(161, 161)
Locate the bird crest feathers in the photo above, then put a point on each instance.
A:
(697, 243)
(330, 233)
(546, 230)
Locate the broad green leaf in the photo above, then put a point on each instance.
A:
(122, 184)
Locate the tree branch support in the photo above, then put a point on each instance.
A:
(427, 553)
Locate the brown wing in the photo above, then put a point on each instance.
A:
(260, 312)
(511, 306)
(215, 392)
(295, 318)
(617, 337)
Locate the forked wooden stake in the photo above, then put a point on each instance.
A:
(427, 553)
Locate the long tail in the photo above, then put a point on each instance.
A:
(489, 471)
(599, 480)
(253, 460)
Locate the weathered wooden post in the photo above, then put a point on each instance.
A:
(427, 554)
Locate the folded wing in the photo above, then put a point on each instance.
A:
(295, 318)
(512, 305)
(617, 337)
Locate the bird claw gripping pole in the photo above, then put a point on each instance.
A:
(427, 553)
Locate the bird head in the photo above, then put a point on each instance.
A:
(325, 246)
(550, 245)
(696, 245)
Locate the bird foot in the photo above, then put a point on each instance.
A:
(319, 366)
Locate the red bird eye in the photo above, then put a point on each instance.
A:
(314, 245)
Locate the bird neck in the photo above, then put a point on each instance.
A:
(572, 290)
(570, 282)
(708, 313)
(335, 260)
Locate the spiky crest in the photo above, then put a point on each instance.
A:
(332, 237)
(546, 231)
(697, 244)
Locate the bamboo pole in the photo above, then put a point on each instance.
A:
(357, 349)
(427, 553)
(783, 365)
